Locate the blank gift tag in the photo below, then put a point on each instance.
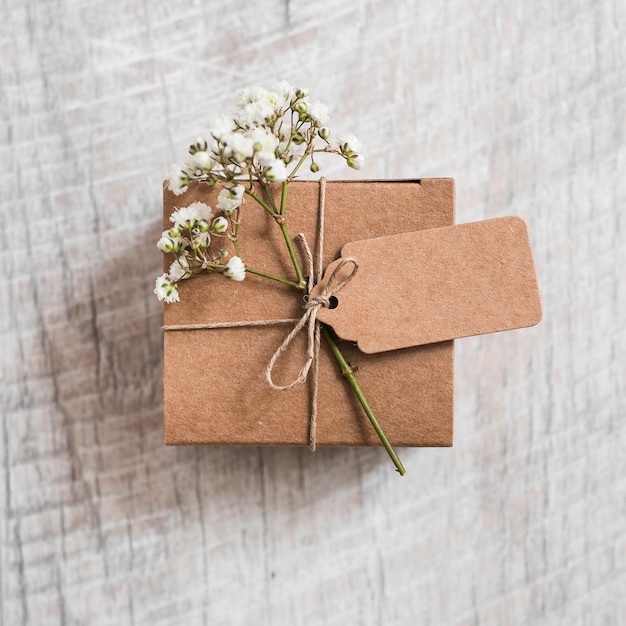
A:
(436, 284)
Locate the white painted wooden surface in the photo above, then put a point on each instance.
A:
(522, 522)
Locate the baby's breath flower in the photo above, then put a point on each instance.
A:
(318, 112)
(171, 243)
(238, 146)
(355, 161)
(219, 225)
(178, 180)
(348, 144)
(285, 90)
(301, 92)
(187, 217)
(250, 95)
(200, 160)
(220, 126)
(230, 198)
(166, 243)
(235, 269)
(276, 172)
(324, 132)
(200, 145)
(179, 270)
(264, 145)
(166, 290)
(256, 105)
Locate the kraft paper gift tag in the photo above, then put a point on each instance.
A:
(434, 285)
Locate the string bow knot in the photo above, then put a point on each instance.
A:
(309, 319)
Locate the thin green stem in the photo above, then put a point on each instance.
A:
(348, 373)
(278, 279)
(261, 202)
(300, 162)
(235, 244)
(283, 197)
(292, 254)
(235, 233)
(270, 195)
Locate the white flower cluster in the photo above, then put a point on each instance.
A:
(266, 138)
(189, 240)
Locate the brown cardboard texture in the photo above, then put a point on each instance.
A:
(432, 285)
(214, 380)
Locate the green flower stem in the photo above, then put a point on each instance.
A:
(235, 234)
(261, 202)
(271, 197)
(278, 279)
(251, 270)
(283, 197)
(301, 282)
(305, 156)
(235, 244)
(346, 370)
(348, 373)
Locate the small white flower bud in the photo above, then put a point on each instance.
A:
(199, 146)
(324, 132)
(201, 160)
(203, 226)
(315, 167)
(223, 253)
(301, 107)
(355, 161)
(348, 144)
(298, 139)
(174, 232)
(235, 269)
(301, 92)
(165, 244)
(219, 225)
(277, 172)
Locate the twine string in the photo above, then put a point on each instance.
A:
(312, 306)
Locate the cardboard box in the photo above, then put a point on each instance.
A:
(214, 380)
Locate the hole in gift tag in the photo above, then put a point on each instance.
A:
(333, 303)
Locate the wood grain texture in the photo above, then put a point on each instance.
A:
(522, 522)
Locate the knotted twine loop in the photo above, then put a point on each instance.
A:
(309, 318)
